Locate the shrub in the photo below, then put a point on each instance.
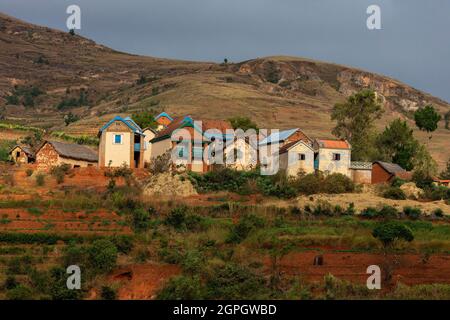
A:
(369, 212)
(102, 255)
(235, 282)
(388, 232)
(20, 292)
(337, 183)
(182, 288)
(309, 184)
(388, 212)
(438, 213)
(40, 179)
(422, 180)
(160, 164)
(397, 182)
(413, 213)
(123, 243)
(246, 224)
(177, 217)
(60, 171)
(141, 220)
(394, 193)
(108, 293)
(29, 172)
(58, 286)
(10, 283)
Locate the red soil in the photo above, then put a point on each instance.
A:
(142, 281)
(409, 268)
(57, 221)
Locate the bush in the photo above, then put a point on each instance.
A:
(369, 212)
(388, 232)
(182, 288)
(394, 193)
(10, 283)
(241, 230)
(438, 213)
(20, 292)
(102, 256)
(108, 293)
(59, 172)
(310, 183)
(413, 213)
(338, 183)
(141, 220)
(29, 172)
(177, 217)
(234, 282)
(388, 212)
(40, 179)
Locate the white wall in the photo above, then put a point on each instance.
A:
(328, 165)
(118, 154)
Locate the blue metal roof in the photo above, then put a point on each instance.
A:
(278, 136)
(127, 121)
(163, 114)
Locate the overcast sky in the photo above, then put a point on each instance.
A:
(413, 45)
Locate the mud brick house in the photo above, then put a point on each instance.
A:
(384, 172)
(54, 153)
(121, 143)
(22, 155)
(361, 172)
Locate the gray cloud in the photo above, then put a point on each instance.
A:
(413, 45)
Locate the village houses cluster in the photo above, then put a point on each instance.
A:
(201, 145)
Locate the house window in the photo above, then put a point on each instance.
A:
(301, 156)
(117, 139)
(336, 156)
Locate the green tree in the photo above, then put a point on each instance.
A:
(145, 119)
(102, 256)
(446, 173)
(388, 232)
(70, 117)
(243, 123)
(397, 144)
(427, 119)
(355, 122)
(447, 120)
(424, 163)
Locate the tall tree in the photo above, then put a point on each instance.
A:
(243, 123)
(397, 144)
(355, 122)
(427, 119)
(145, 119)
(446, 174)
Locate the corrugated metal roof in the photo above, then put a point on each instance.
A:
(390, 167)
(277, 137)
(359, 165)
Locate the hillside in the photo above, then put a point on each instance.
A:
(277, 92)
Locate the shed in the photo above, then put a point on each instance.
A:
(54, 153)
(361, 172)
(383, 172)
(22, 154)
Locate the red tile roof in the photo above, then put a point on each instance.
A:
(333, 144)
